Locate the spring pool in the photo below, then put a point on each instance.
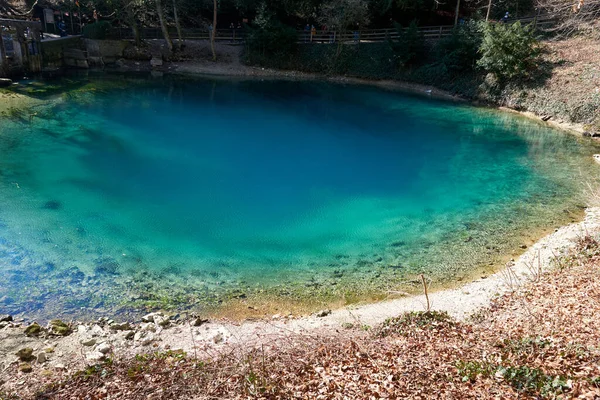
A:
(128, 194)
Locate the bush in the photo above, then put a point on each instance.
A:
(509, 52)
(409, 48)
(459, 52)
(273, 44)
(98, 30)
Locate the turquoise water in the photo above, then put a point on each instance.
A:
(114, 190)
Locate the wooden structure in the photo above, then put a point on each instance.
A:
(237, 36)
(20, 48)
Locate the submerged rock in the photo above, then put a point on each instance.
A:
(53, 205)
(106, 266)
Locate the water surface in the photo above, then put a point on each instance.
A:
(130, 194)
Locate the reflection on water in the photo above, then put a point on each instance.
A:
(137, 193)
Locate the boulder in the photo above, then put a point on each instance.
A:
(6, 318)
(125, 326)
(25, 354)
(148, 327)
(33, 330)
(144, 338)
(162, 321)
(103, 348)
(150, 317)
(95, 357)
(42, 358)
(57, 327)
(199, 322)
(25, 367)
(137, 53)
(156, 62)
(88, 342)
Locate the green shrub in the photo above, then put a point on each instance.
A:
(98, 30)
(460, 51)
(509, 52)
(409, 48)
(271, 44)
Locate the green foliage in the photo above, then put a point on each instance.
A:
(409, 48)
(526, 345)
(509, 52)
(345, 14)
(459, 52)
(533, 380)
(272, 43)
(522, 378)
(469, 371)
(98, 30)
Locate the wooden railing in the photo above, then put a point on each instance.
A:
(237, 36)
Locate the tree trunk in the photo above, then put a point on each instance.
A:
(214, 31)
(178, 25)
(163, 25)
(487, 16)
(137, 36)
(3, 62)
(456, 13)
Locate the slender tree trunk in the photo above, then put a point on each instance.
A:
(3, 62)
(214, 31)
(487, 16)
(178, 25)
(456, 13)
(163, 25)
(137, 36)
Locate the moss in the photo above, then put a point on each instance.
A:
(60, 328)
(25, 354)
(33, 330)
(25, 367)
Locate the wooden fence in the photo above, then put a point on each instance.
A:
(237, 36)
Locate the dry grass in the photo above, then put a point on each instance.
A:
(540, 341)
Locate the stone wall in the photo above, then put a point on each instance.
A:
(54, 51)
(101, 52)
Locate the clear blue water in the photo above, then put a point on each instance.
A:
(254, 184)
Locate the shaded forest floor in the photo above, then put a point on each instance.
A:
(542, 340)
